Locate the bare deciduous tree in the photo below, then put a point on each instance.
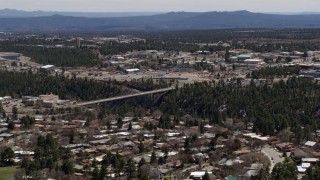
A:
(257, 144)
(284, 135)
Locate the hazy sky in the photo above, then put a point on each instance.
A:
(163, 5)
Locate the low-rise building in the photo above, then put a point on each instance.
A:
(47, 68)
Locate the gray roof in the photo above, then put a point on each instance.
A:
(6, 135)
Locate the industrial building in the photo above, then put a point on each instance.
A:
(46, 101)
(240, 57)
(243, 57)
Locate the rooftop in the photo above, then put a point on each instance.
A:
(47, 66)
(310, 143)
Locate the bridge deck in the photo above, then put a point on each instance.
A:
(123, 97)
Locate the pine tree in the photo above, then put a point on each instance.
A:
(153, 158)
(141, 147)
(206, 176)
(130, 126)
(131, 168)
(119, 122)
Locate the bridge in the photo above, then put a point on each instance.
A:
(123, 97)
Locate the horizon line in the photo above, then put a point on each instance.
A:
(64, 11)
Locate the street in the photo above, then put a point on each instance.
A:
(273, 155)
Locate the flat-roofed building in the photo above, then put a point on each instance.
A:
(253, 61)
(47, 68)
(132, 70)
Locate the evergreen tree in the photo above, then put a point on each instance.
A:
(141, 147)
(95, 173)
(109, 124)
(131, 168)
(11, 125)
(212, 143)
(130, 126)
(187, 145)
(119, 122)
(285, 170)
(201, 128)
(103, 172)
(161, 160)
(206, 176)
(141, 162)
(27, 121)
(264, 174)
(67, 167)
(7, 156)
(227, 55)
(153, 158)
(4, 114)
(312, 173)
(14, 112)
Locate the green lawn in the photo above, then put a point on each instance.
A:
(7, 173)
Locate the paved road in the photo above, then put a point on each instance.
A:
(273, 155)
(124, 97)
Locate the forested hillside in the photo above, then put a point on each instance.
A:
(64, 57)
(167, 21)
(273, 72)
(19, 84)
(295, 104)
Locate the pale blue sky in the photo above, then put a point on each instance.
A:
(163, 5)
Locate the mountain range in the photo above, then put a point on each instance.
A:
(13, 13)
(155, 22)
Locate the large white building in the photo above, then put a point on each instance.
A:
(47, 68)
(253, 61)
(132, 70)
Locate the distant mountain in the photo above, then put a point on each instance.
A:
(13, 13)
(168, 21)
(310, 13)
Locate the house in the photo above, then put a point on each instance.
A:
(303, 167)
(310, 143)
(155, 174)
(300, 153)
(285, 147)
(253, 170)
(6, 135)
(310, 160)
(198, 174)
(230, 177)
(199, 155)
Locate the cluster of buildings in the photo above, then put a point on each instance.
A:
(126, 143)
(5, 99)
(117, 39)
(46, 101)
(252, 153)
(242, 58)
